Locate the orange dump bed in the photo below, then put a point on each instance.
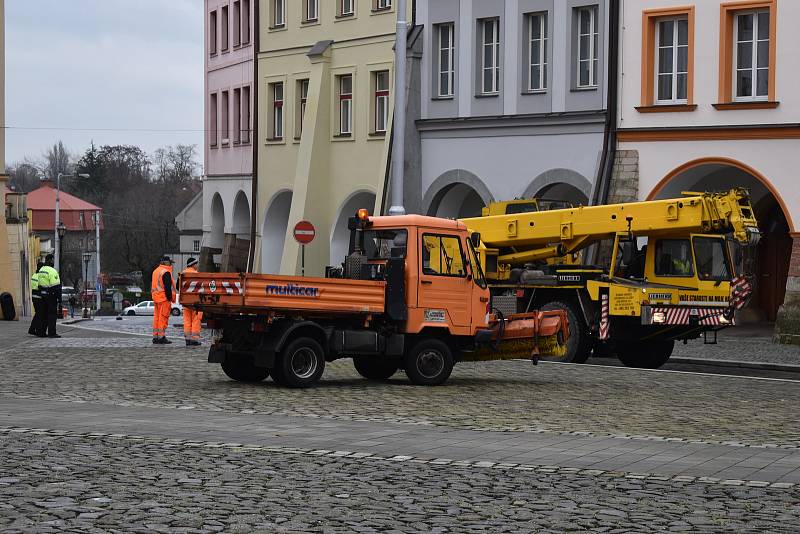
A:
(264, 293)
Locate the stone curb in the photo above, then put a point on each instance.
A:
(762, 366)
(171, 443)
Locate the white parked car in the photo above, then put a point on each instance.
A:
(148, 307)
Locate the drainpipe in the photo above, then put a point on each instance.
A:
(606, 168)
(254, 138)
(399, 129)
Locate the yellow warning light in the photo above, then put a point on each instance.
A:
(363, 214)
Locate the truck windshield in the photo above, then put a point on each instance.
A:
(712, 260)
(674, 258)
(379, 244)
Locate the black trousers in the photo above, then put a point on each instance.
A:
(38, 324)
(52, 312)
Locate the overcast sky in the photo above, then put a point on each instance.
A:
(83, 70)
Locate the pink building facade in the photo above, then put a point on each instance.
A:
(228, 148)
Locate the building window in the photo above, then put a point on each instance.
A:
(672, 58)
(537, 51)
(587, 43)
(276, 126)
(226, 139)
(379, 5)
(751, 55)
(225, 28)
(445, 42)
(310, 10)
(380, 82)
(237, 115)
(345, 8)
(245, 9)
(345, 94)
(244, 120)
(213, 114)
(237, 24)
(490, 55)
(212, 33)
(302, 100)
(196, 245)
(278, 13)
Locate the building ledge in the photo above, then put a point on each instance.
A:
(730, 106)
(667, 108)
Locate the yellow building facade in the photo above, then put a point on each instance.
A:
(6, 275)
(326, 81)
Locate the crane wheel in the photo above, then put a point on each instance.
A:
(579, 343)
(242, 369)
(645, 355)
(373, 368)
(300, 364)
(429, 362)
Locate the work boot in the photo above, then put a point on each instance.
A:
(188, 343)
(165, 341)
(155, 341)
(196, 343)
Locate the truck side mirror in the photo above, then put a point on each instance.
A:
(475, 239)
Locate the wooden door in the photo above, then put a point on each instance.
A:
(774, 252)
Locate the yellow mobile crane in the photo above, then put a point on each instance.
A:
(675, 270)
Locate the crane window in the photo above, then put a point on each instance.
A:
(674, 258)
(712, 260)
(443, 256)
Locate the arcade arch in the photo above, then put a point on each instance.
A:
(273, 233)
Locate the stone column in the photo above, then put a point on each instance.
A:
(787, 325)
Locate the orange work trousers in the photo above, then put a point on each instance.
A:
(161, 318)
(191, 324)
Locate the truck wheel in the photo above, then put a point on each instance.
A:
(300, 365)
(242, 369)
(579, 343)
(429, 363)
(643, 354)
(374, 368)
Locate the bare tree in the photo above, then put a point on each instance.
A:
(25, 176)
(57, 161)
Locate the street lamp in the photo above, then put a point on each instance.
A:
(57, 252)
(61, 231)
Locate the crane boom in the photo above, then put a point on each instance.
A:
(535, 236)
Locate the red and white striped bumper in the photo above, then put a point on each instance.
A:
(685, 315)
(212, 287)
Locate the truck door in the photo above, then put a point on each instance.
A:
(445, 293)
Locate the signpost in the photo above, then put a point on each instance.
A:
(304, 233)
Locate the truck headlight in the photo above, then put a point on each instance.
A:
(659, 318)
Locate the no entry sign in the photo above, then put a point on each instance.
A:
(304, 232)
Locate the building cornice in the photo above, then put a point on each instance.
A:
(578, 122)
(712, 133)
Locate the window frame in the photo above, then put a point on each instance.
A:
(237, 24)
(307, 18)
(381, 95)
(302, 102)
(340, 11)
(594, 42)
(213, 36)
(345, 100)
(674, 46)
(544, 22)
(381, 5)
(245, 117)
(225, 27)
(278, 8)
(451, 66)
(278, 115)
(245, 15)
(225, 109)
(726, 90)
(213, 120)
(195, 245)
(494, 46)
(650, 19)
(439, 236)
(754, 68)
(237, 115)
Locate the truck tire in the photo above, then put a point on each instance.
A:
(300, 364)
(579, 343)
(375, 368)
(645, 355)
(429, 363)
(242, 369)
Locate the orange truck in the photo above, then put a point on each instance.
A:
(409, 295)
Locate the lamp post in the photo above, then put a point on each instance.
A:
(57, 253)
(399, 120)
(61, 231)
(86, 259)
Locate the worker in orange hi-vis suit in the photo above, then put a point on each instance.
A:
(191, 318)
(162, 290)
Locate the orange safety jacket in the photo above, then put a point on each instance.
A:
(158, 290)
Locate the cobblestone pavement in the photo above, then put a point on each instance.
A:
(508, 396)
(101, 484)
